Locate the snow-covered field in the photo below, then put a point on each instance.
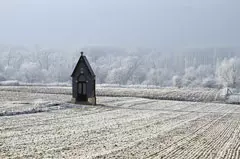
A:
(37, 122)
(165, 93)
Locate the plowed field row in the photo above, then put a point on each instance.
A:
(119, 127)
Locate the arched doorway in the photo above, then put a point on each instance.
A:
(82, 91)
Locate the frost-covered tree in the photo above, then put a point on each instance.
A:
(177, 81)
(209, 82)
(228, 72)
(10, 72)
(189, 76)
(195, 67)
(31, 72)
(202, 75)
(159, 77)
(116, 76)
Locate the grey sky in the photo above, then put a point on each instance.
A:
(125, 23)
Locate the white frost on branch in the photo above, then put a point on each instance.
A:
(228, 72)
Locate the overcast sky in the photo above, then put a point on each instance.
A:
(124, 23)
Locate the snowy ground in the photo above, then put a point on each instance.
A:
(38, 124)
(165, 93)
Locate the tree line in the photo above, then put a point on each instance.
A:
(206, 67)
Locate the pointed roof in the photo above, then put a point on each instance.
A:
(87, 64)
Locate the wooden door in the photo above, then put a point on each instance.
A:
(82, 91)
